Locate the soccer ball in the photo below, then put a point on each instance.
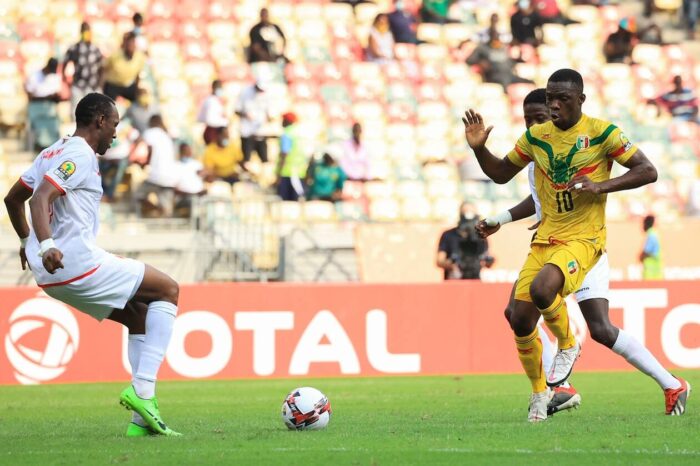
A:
(306, 408)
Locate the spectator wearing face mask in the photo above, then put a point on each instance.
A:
(87, 67)
(43, 88)
(494, 62)
(526, 25)
(403, 24)
(213, 112)
(222, 159)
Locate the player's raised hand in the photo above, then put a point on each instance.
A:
(474, 130)
(583, 184)
(52, 260)
(23, 258)
(485, 230)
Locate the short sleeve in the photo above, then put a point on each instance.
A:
(444, 246)
(618, 147)
(69, 172)
(521, 154)
(285, 144)
(651, 246)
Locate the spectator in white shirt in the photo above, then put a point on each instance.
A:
(43, 88)
(213, 113)
(191, 180)
(163, 171)
(355, 160)
(254, 109)
(380, 48)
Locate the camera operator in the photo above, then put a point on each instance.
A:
(462, 252)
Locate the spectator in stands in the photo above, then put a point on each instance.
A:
(267, 41)
(681, 102)
(380, 47)
(43, 88)
(355, 160)
(435, 11)
(691, 11)
(619, 45)
(222, 158)
(122, 70)
(213, 112)
(461, 251)
(550, 13)
(254, 109)
(139, 33)
(325, 180)
(526, 25)
(293, 161)
(650, 257)
(190, 181)
(139, 112)
(87, 65)
(403, 24)
(495, 64)
(162, 174)
(114, 162)
(503, 36)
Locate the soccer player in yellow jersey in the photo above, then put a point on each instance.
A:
(573, 155)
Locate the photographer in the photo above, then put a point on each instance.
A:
(462, 252)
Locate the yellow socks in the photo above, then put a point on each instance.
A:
(530, 354)
(556, 316)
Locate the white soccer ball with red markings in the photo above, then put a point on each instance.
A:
(306, 408)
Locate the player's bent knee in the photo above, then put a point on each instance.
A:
(603, 333)
(522, 324)
(171, 291)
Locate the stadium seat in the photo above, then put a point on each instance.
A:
(386, 209)
(319, 211)
(416, 209)
(446, 210)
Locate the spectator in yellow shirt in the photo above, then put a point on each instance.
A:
(223, 159)
(122, 70)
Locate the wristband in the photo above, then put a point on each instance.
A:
(45, 246)
(23, 242)
(499, 219)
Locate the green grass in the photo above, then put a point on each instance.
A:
(400, 420)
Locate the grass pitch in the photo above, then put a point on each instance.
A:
(399, 420)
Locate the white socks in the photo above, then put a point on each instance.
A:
(134, 350)
(640, 357)
(547, 350)
(159, 327)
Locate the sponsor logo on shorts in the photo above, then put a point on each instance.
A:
(65, 170)
(572, 266)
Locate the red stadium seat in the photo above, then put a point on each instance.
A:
(195, 49)
(192, 9)
(221, 9)
(34, 30)
(161, 29)
(192, 29)
(162, 9)
(405, 52)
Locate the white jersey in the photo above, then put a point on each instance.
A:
(597, 281)
(71, 166)
(531, 179)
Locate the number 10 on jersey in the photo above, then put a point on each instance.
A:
(565, 198)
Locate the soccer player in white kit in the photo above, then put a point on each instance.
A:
(592, 297)
(65, 188)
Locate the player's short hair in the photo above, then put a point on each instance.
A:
(567, 75)
(649, 221)
(91, 106)
(538, 96)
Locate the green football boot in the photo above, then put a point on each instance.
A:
(148, 409)
(135, 430)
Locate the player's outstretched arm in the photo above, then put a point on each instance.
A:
(641, 172)
(14, 202)
(490, 225)
(39, 208)
(500, 171)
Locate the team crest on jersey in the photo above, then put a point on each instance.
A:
(572, 266)
(625, 142)
(583, 142)
(65, 170)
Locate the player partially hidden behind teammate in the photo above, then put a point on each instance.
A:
(593, 294)
(65, 190)
(573, 155)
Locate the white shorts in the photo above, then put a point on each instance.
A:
(112, 285)
(597, 281)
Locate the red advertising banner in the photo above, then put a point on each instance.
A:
(294, 330)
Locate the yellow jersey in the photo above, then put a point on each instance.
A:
(223, 161)
(587, 148)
